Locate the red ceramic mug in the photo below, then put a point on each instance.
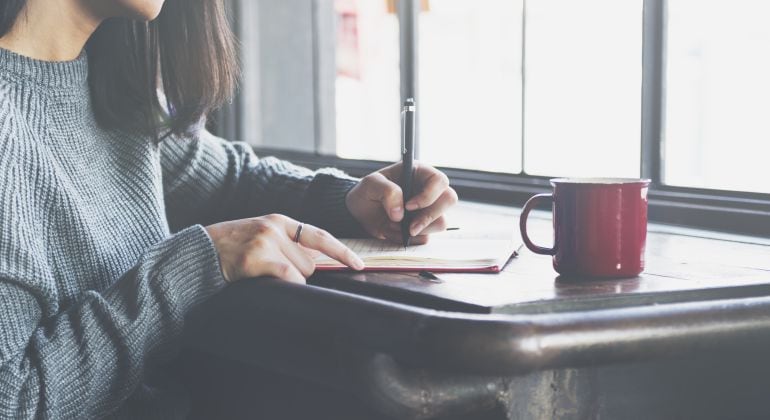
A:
(600, 226)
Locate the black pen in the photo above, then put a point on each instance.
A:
(408, 141)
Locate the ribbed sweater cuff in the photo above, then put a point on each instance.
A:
(324, 206)
(192, 271)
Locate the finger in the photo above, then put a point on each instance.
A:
(312, 253)
(379, 231)
(300, 258)
(284, 270)
(321, 240)
(392, 172)
(438, 225)
(388, 193)
(395, 237)
(433, 183)
(433, 212)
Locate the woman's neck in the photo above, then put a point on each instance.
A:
(51, 30)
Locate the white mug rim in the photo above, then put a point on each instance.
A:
(600, 181)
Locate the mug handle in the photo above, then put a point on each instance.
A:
(523, 225)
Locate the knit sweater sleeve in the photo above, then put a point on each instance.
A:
(207, 179)
(83, 362)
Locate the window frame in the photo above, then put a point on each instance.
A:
(719, 210)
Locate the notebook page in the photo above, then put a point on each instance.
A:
(484, 239)
(442, 251)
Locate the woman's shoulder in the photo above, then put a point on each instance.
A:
(14, 213)
(7, 116)
(8, 112)
(16, 146)
(17, 141)
(8, 125)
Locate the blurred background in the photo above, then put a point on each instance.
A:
(536, 88)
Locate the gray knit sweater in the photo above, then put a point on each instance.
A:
(102, 249)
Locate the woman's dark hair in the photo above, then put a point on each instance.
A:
(188, 53)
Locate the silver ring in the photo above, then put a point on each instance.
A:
(298, 233)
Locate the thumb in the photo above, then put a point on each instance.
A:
(388, 193)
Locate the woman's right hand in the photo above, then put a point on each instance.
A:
(264, 246)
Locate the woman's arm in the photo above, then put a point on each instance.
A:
(208, 180)
(84, 362)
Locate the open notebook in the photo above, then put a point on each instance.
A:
(446, 252)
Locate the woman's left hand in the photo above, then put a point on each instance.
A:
(377, 203)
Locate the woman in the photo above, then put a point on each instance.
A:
(106, 190)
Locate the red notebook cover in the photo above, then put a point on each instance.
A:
(490, 269)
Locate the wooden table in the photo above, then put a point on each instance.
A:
(686, 339)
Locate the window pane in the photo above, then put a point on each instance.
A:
(583, 88)
(367, 92)
(717, 130)
(470, 84)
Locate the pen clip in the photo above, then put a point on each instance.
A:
(408, 107)
(403, 131)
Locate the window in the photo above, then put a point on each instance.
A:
(367, 85)
(583, 88)
(512, 92)
(470, 84)
(462, 101)
(717, 124)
